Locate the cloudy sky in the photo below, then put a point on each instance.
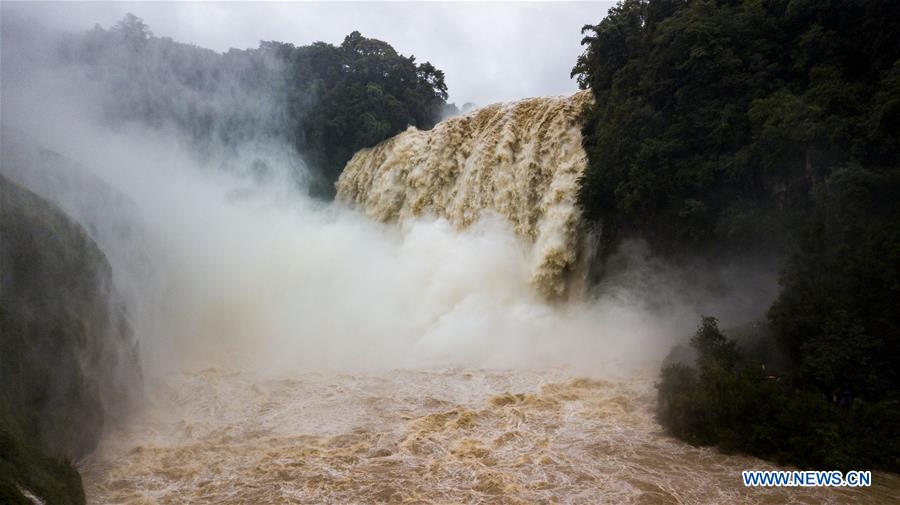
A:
(490, 51)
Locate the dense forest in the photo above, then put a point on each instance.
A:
(724, 127)
(325, 101)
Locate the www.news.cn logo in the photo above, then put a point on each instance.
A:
(808, 478)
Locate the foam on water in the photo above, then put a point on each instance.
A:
(420, 436)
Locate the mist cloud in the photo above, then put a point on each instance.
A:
(223, 267)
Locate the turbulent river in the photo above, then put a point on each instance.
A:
(243, 293)
(419, 436)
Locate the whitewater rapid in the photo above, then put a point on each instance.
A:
(441, 436)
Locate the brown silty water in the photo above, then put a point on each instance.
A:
(430, 436)
(534, 432)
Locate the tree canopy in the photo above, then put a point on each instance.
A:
(356, 95)
(713, 119)
(722, 127)
(325, 101)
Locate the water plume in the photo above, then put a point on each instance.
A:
(520, 159)
(224, 259)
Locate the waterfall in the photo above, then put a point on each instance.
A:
(520, 159)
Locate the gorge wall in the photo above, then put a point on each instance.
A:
(67, 359)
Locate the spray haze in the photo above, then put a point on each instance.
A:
(227, 260)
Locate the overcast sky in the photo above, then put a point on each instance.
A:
(489, 51)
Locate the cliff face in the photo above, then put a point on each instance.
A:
(67, 358)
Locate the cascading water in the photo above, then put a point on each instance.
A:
(299, 352)
(482, 407)
(521, 160)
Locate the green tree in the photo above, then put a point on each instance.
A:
(726, 127)
(326, 101)
(713, 119)
(713, 349)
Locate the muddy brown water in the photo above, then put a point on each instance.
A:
(432, 436)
